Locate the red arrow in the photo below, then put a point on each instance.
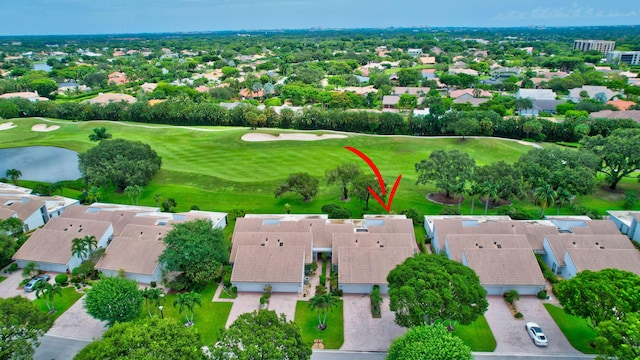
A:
(380, 179)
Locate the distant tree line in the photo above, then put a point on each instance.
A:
(462, 123)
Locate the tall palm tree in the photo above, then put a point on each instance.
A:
(544, 196)
(474, 190)
(93, 194)
(78, 248)
(99, 134)
(323, 304)
(49, 291)
(154, 297)
(90, 243)
(186, 302)
(563, 197)
(14, 175)
(459, 190)
(13, 225)
(490, 192)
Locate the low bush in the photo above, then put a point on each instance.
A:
(450, 210)
(61, 279)
(519, 315)
(13, 268)
(336, 211)
(546, 271)
(542, 294)
(414, 214)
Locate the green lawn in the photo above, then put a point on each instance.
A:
(3, 278)
(61, 303)
(208, 319)
(574, 328)
(307, 320)
(213, 168)
(477, 335)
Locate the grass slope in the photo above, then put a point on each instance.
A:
(574, 328)
(215, 169)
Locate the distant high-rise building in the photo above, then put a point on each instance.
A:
(629, 57)
(603, 46)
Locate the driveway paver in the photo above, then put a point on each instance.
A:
(510, 332)
(75, 323)
(244, 303)
(364, 333)
(10, 287)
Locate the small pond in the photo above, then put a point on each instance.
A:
(41, 163)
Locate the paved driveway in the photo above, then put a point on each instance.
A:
(75, 323)
(511, 335)
(244, 303)
(10, 286)
(364, 333)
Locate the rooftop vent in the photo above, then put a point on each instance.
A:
(381, 245)
(499, 246)
(480, 246)
(262, 244)
(281, 244)
(602, 247)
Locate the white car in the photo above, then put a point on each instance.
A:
(536, 334)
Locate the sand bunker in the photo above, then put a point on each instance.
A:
(254, 137)
(7, 126)
(44, 128)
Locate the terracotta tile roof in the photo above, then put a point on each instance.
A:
(107, 98)
(604, 227)
(621, 104)
(119, 219)
(269, 264)
(505, 266)
(608, 114)
(6, 213)
(26, 207)
(272, 239)
(457, 93)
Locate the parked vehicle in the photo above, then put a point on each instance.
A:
(536, 334)
(31, 285)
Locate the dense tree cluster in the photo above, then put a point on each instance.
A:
(22, 324)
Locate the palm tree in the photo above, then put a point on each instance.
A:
(78, 248)
(151, 295)
(186, 303)
(157, 198)
(49, 291)
(490, 192)
(323, 304)
(459, 190)
(133, 192)
(99, 134)
(545, 196)
(14, 175)
(93, 194)
(91, 243)
(474, 190)
(563, 196)
(30, 270)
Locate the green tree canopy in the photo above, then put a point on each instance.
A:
(572, 169)
(194, 254)
(619, 338)
(300, 183)
(21, 325)
(507, 177)
(99, 134)
(619, 153)
(600, 295)
(114, 299)
(429, 343)
(426, 289)
(119, 162)
(445, 169)
(153, 338)
(343, 175)
(360, 187)
(262, 335)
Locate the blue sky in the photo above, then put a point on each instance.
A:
(48, 17)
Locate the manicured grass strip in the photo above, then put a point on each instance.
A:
(307, 320)
(61, 303)
(2, 278)
(574, 328)
(477, 335)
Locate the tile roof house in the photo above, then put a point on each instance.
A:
(107, 98)
(31, 96)
(609, 114)
(620, 104)
(389, 102)
(536, 94)
(454, 94)
(362, 251)
(592, 91)
(117, 78)
(136, 251)
(470, 99)
(50, 246)
(427, 60)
